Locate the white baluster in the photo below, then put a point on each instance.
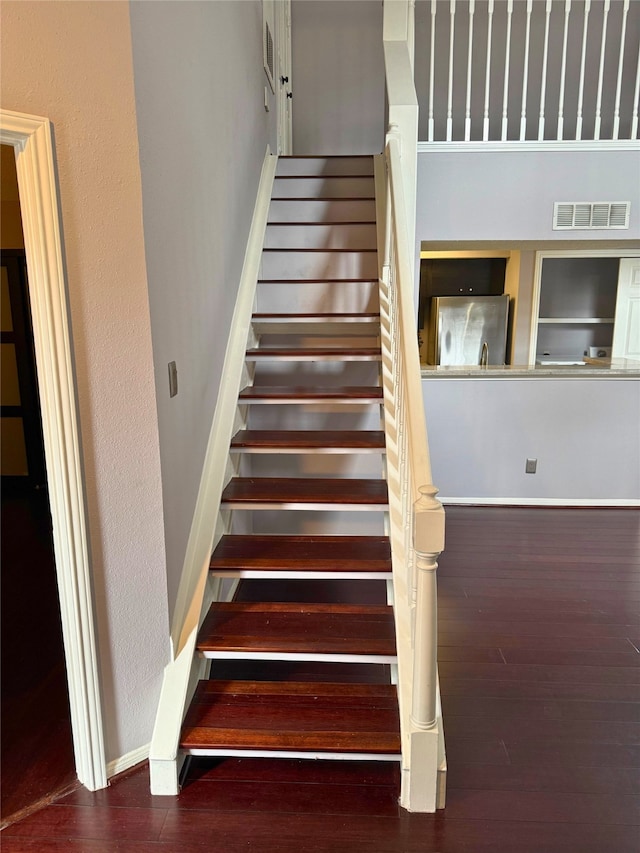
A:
(525, 74)
(543, 82)
(452, 28)
(616, 112)
(507, 55)
(432, 68)
(563, 72)
(603, 45)
(585, 31)
(636, 96)
(467, 116)
(487, 78)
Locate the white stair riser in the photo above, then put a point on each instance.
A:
(329, 374)
(348, 187)
(319, 265)
(294, 753)
(361, 465)
(315, 417)
(313, 297)
(302, 575)
(355, 236)
(310, 523)
(344, 210)
(320, 340)
(325, 166)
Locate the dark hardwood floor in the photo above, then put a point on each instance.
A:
(540, 671)
(36, 754)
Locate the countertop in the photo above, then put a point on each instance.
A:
(615, 369)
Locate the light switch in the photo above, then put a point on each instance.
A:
(530, 466)
(173, 379)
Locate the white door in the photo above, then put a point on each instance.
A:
(626, 332)
(283, 80)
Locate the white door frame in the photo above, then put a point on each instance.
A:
(31, 139)
(284, 105)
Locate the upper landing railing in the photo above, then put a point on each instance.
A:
(527, 70)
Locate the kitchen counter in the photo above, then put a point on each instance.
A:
(616, 369)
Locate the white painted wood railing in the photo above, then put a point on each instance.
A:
(416, 517)
(197, 590)
(505, 70)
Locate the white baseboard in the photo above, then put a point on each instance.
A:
(125, 762)
(561, 502)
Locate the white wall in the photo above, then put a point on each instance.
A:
(71, 62)
(582, 431)
(203, 132)
(509, 196)
(338, 77)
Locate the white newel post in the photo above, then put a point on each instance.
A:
(429, 544)
(423, 792)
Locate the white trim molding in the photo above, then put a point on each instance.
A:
(594, 503)
(31, 139)
(127, 761)
(533, 145)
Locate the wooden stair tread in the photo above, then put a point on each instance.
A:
(296, 353)
(320, 177)
(327, 197)
(323, 249)
(293, 716)
(312, 392)
(324, 222)
(355, 318)
(294, 691)
(305, 490)
(348, 280)
(290, 628)
(314, 553)
(309, 439)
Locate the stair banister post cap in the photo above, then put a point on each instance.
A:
(428, 515)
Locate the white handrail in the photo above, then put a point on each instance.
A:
(416, 518)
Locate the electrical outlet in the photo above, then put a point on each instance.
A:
(173, 379)
(530, 466)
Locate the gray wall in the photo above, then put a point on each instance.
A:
(91, 105)
(203, 132)
(583, 432)
(338, 77)
(509, 196)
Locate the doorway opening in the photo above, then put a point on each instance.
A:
(37, 757)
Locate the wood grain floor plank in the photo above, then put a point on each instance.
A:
(90, 822)
(542, 748)
(611, 781)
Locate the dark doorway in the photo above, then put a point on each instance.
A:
(36, 756)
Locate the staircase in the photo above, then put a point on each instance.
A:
(302, 660)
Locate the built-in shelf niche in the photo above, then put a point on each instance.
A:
(576, 307)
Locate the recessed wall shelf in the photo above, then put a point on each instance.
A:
(576, 298)
(581, 321)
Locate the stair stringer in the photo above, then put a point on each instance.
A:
(197, 590)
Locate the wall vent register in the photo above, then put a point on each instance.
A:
(577, 216)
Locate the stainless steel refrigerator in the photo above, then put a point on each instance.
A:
(468, 330)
